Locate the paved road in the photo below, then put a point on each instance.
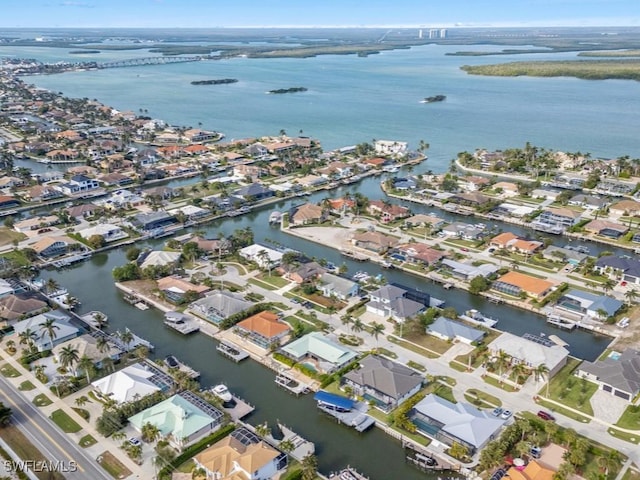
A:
(53, 444)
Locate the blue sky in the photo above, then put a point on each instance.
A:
(235, 13)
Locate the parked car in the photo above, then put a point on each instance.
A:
(535, 452)
(171, 361)
(135, 441)
(506, 414)
(464, 249)
(295, 300)
(546, 415)
(499, 474)
(497, 412)
(491, 250)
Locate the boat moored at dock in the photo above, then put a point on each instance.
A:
(477, 318)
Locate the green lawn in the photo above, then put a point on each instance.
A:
(26, 386)
(552, 407)
(482, 399)
(8, 371)
(630, 419)
(87, 441)
(42, 400)
(8, 235)
(627, 437)
(65, 422)
(631, 474)
(383, 417)
(274, 280)
(416, 366)
(412, 347)
(507, 387)
(386, 353)
(113, 466)
(430, 342)
(571, 391)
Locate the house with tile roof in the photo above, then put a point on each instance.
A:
(14, 307)
(625, 207)
(241, 456)
(376, 242)
(617, 374)
(181, 419)
(319, 352)
(263, 329)
(387, 383)
(531, 351)
(306, 214)
(513, 283)
(87, 345)
(455, 422)
(533, 471)
(130, 383)
(49, 247)
(219, 305)
(417, 253)
(606, 228)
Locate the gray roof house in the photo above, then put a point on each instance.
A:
(388, 384)
(618, 373)
(391, 301)
(556, 253)
(451, 330)
(455, 422)
(586, 303)
(628, 267)
(63, 329)
(219, 305)
(467, 271)
(340, 287)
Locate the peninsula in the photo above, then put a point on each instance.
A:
(288, 90)
(220, 81)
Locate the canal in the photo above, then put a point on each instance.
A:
(374, 453)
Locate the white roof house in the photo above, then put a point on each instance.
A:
(253, 254)
(530, 352)
(109, 232)
(127, 384)
(160, 259)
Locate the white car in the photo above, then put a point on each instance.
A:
(135, 441)
(506, 414)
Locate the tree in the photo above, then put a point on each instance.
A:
(309, 467)
(86, 365)
(100, 320)
(609, 461)
(263, 429)
(5, 415)
(457, 450)
(519, 370)
(376, 329)
(287, 446)
(132, 253)
(126, 337)
(541, 371)
(631, 295)
(96, 241)
(478, 284)
(81, 401)
(49, 327)
(51, 285)
(357, 326)
(27, 337)
(69, 356)
(149, 432)
(502, 361)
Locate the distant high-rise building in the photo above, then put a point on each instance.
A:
(433, 33)
(443, 33)
(420, 33)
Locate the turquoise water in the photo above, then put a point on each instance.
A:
(352, 99)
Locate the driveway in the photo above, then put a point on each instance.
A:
(607, 407)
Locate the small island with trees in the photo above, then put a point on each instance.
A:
(287, 90)
(435, 98)
(220, 81)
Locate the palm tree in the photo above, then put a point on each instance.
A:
(150, 432)
(609, 461)
(263, 429)
(102, 344)
(126, 337)
(69, 356)
(346, 319)
(357, 326)
(376, 329)
(27, 337)
(519, 370)
(119, 435)
(309, 467)
(542, 371)
(49, 327)
(100, 320)
(502, 361)
(287, 446)
(108, 364)
(81, 401)
(631, 295)
(51, 285)
(86, 365)
(5, 415)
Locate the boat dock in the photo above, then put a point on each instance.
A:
(477, 318)
(359, 257)
(558, 321)
(240, 409)
(95, 319)
(183, 367)
(345, 410)
(288, 382)
(301, 446)
(423, 459)
(133, 344)
(231, 351)
(348, 474)
(180, 323)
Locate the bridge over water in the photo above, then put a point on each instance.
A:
(138, 62)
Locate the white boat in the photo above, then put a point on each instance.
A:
(477, 318)
(222, 392)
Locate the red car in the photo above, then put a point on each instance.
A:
(464, 249)
(545, 415)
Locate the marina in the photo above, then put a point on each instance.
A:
(231, 351)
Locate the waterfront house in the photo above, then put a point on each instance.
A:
(588, 202)
(502, 240)
(161, 192)
(11, 182)
(375, 162)
(559, 217)
(241, 456)
(153, 220)
(382, 381)
(122, 199)
(545, 193)
(617, 373)
(512, 210)
(181, 419)
(530, 350)
(17, 306)
(175, 288)
(465, 231)
(510, 241)
(417, 253)
(606, 228)
(319, 353)
(395, 302)
(263, 329)
(254, 192)
(307, 272)
(390, 147)
(131, 383)
(387, 212)
(513, 283)
(264, 256)
(564, 254)
(35, 223)
(311, 181)
(49, 247)
(83, 211)
(87, 345)
(218, 246)
(64, 330)
(506, 189)
(421, 220)
(7, 201)
(470, 199)
(219, 305)
(467, 271)
(625, 208)
(159, 258)
(581, 303)
(450, 331)
(451, 423)
(42, 193)
(190, 212)
(376, 242)
(115, 179)
(626, 268)
(533, 471)
(404, 183)
(78, 184)
(109, 232)
(339, 287)
(305, 214)
(473, 183)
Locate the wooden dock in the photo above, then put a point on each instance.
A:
(240, 408)
(180, 323)
(424, 460)
(558, 321)
(231, 351)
